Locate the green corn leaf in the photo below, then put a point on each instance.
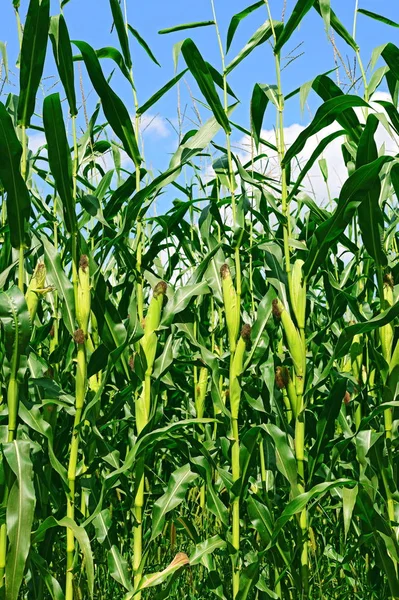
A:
(391, 56)
(33, 54)
(184, 26)
(19, 514)
(248, 578)
(326, 88)
(62, 51)
(260, 36)
(118, 567)
(325, 427)
(285, 458)
(114, 109)
(180, 300)
(377, 17)
(351, 196)
(348, 503)
(143, 44)
(177, 488)
(59, 157)
(299, 11)
(259, 102)
(300, 502)
(236, 19)
(205, 548)
(83, 541)
(348, 333)
(116, 56)
(120, 27)
(18, 200)
(325, 142)
(260, 518)
(325, 116)
(57, 278)
(161, 92)
(371, 218)
(35, 421)
(15, 322)
(337, 26)
(203, 77)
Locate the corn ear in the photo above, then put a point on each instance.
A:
(294, 342)
(387, 332)
(298, 293)
(231, 307)
(83, 306)
(151, 324)
(36, 285)
(201, 392)
(236, 370)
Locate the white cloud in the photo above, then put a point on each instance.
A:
(154, 125)
(314, 183)
(36, 140)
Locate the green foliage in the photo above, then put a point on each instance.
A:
(203, 402)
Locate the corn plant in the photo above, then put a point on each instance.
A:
(199, 364)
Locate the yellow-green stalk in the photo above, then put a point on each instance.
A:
(83, 309)
(148, 344)
(296, 348)
(236, 368)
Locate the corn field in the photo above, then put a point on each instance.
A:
(200, 363)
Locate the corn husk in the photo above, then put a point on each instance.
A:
(35, 289)
(83, 305)
(231, 307)
(298, 293)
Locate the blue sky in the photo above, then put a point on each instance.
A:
(90, 20)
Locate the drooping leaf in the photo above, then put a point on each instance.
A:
(325, 116)
(260, 36)
(15, 321)
(161, 92)
(259, 102)
(236, 19)
(120, 27)
(143, 44)
(62, 51)
(18, 200)
(352, 194)
(19, 515)
(299, 11)
(114, 109)
(174, 495)
(33, 54)
(203, 77)
(59, 157)
(58, 279)
(337, 26)
(371, 218)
